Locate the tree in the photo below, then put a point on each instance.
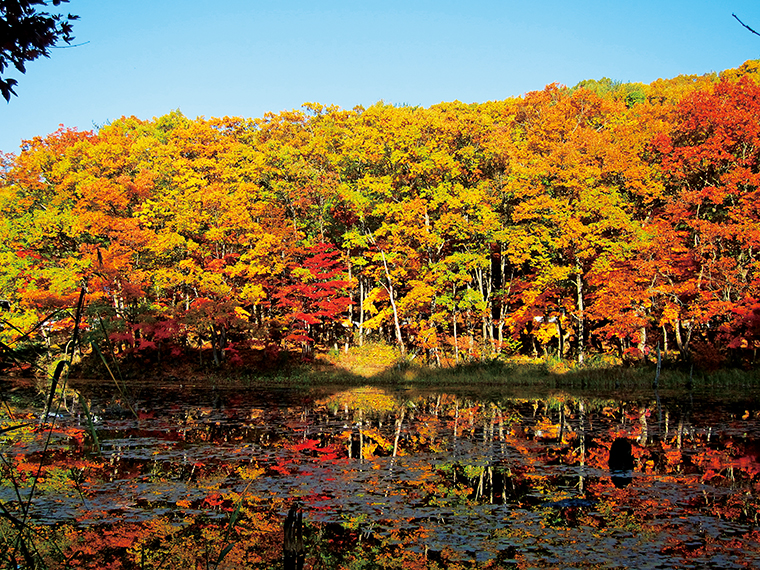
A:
(711, 161)
(27, 34)
(573, 182)
(315, 297)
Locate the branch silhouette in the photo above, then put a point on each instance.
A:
(745, 25)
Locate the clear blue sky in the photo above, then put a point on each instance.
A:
(246, 57)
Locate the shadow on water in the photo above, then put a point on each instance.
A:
(391, 476)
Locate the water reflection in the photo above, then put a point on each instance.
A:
(396, 479)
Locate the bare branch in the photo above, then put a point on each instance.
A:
(745, 25)
(71, 46)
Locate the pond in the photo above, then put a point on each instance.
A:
(174, 475)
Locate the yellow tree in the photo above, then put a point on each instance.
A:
(414, 182)
(571, 181)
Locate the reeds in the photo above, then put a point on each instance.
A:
(19, 543)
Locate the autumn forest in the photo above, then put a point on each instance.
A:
(606, 218)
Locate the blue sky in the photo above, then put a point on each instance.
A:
(245, 57)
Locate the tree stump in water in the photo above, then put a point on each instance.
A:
(621, 462)
(293, 542)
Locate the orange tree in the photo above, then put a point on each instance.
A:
(711, 161)
(571, 184)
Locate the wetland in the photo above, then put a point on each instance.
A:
(399, 476)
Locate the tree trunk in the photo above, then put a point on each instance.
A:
(456, 341)
(214, 345)
(361, 312)
(642, 342)
(683, 343)
(581, 314)
(350, 331)
(391, 294)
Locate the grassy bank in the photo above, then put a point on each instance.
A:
(381, 365)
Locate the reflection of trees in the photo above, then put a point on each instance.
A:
(393, 477)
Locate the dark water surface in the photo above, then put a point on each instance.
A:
(452, 478)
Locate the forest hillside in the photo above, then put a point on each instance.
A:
(602, 218)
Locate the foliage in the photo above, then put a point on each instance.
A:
(28, 34)
(567, 223)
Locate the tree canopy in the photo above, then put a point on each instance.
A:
(566, 221)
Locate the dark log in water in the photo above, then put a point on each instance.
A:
(293, 542)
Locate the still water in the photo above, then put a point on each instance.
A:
(183, 476)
